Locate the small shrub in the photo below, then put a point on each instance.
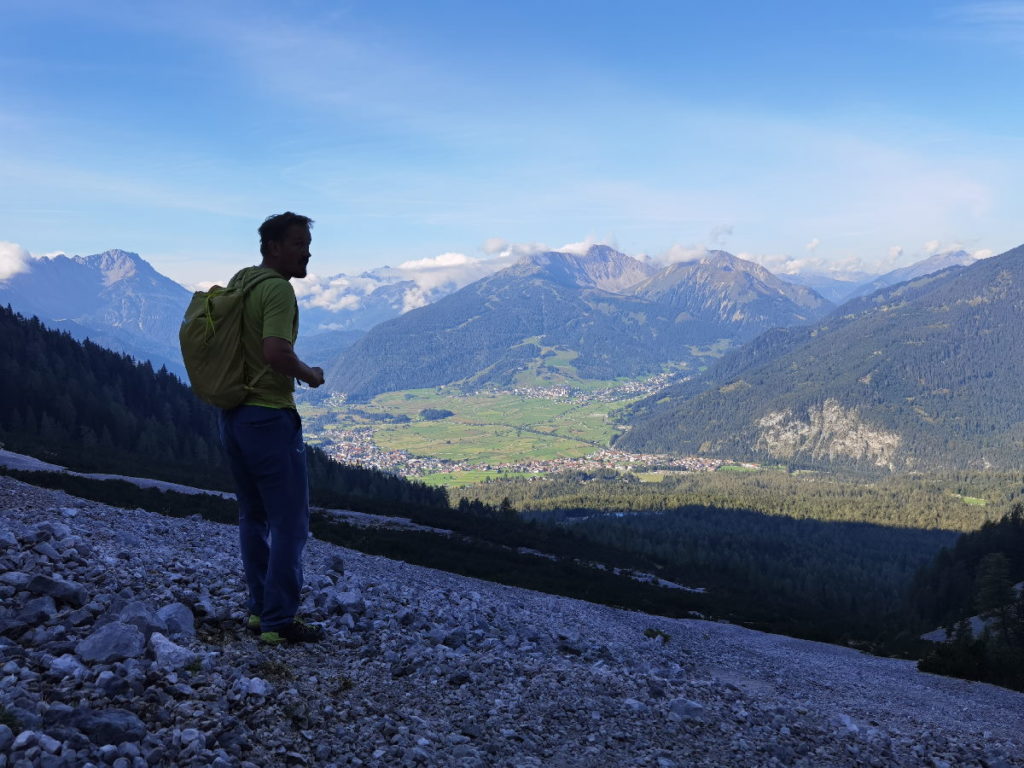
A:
(273, 670)
(344, 684)
(654, 634)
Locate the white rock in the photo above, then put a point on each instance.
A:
(846, 723)
(68, 666)
(168, 654)
(260, 687)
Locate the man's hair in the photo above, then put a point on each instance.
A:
(275, 228)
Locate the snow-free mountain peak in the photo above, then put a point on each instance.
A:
(116, 265)
(115, 298)
(730, 289)
(601, 267)
(928, 266)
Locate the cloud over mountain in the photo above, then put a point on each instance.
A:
(422, 280)
(13, 260)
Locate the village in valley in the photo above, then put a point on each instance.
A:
(355, 437)
(356, 446)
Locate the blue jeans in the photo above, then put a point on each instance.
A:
(268, 460)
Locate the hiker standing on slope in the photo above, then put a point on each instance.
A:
(263, 435)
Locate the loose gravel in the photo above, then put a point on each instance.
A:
(122, 643)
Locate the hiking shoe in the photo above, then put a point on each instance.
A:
(296, 632)
(252, 625)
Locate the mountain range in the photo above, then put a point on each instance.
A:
(843, 285)
(115, 298)
(548, 318)
(556, 317)
(922, 375)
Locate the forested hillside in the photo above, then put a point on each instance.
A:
(976, 578)
(92, 409)
(810, 554)
(814, 556)
(947, 590)
(922, 376)
(959, 501)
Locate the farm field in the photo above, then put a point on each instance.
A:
(489, 427)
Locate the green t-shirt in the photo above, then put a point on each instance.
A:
(270, 310)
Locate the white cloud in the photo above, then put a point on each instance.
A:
(984, 253)
(895, 251)
(337, 293)
(851, 268)
(1002, 20)
(451, 271)
(679, 253)
(494, 245)
(414, 298)
(513, 252)
(783, 264)
(934, 247)
(431, 278)
(13, 260)
(438, 262)
(813, 245)
(720, 233)
(581, 248)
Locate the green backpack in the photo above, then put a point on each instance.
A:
(211, 344)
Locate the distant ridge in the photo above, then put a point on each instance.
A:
(114, 298)
(841, 285)
(931, 265)
(565, 317)
(925, 374)
(719, 287)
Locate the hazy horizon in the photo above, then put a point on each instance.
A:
(796, 135)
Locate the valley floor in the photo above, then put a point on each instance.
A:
(425, 668)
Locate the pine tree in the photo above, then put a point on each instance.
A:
(994, 591)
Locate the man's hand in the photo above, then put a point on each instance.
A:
(318, 379)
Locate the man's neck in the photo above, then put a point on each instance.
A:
(265, 265)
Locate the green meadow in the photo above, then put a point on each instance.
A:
(485, 427)
(466, 477)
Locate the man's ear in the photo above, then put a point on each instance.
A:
(272, 250)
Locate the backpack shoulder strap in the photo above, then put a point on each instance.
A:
(246, 290)
(268, 275)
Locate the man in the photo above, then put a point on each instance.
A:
(263, 436)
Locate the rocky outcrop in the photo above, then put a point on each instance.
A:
(420, 668)
(829, 432)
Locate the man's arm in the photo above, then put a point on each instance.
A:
(280, 356)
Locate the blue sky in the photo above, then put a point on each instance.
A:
(816, 134)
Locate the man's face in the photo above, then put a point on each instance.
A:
(290, 255)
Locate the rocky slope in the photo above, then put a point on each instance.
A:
(121, 644)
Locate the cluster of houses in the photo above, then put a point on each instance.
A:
(622, 391)
(356, 446)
